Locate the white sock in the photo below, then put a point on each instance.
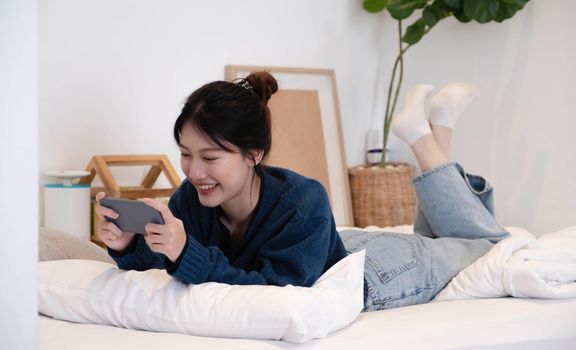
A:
(449, 103)
(412, 123)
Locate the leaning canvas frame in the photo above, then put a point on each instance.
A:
(323, 81)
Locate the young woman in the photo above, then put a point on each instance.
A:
(234, 220)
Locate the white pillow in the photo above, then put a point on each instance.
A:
(88, 291)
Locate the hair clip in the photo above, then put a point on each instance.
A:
(246, 85)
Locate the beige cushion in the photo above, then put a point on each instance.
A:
(58, 245)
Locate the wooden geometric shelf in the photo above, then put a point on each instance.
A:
(100, 165)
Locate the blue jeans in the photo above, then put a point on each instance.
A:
(454, 226)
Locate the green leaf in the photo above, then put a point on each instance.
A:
(402, 9)
(505, 12)
(414, 32)
(455, 4)
(430, 17)
(516, 3)
(374, 6)
(461, 16)
(521, 3)
(399, 14)
(508, 9)
(435, 12)
(482, 11)
(403, 4)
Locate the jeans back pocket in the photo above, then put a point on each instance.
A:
(389, 255)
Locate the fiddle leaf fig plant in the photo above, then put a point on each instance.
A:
(429, 13)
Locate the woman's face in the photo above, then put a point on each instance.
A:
(219, 176)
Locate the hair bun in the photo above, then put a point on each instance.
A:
(263, 84)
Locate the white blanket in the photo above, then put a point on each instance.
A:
(520, 266)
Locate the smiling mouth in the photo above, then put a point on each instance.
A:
(205, 187)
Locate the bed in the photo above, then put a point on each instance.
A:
(503, 323)
(489, 323)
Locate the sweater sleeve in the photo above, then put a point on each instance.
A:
(297, 256)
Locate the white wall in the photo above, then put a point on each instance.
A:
(113, 76)
(520, 133)
(18, 173)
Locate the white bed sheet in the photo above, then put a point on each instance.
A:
(504, 323)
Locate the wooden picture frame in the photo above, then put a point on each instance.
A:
(307, 130)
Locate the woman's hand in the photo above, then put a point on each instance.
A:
(108, 232)
(168, 239)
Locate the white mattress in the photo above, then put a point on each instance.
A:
(506, 323)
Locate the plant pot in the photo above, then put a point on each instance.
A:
(383, 196)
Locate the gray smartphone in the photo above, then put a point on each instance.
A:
(133, 214)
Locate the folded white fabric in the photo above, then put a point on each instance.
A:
(86, 291)
(520, 266)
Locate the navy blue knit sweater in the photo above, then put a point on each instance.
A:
(291, 238)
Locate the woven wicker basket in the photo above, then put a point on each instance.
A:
(383, 196)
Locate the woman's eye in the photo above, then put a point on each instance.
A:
(209, 159)
(183, 155)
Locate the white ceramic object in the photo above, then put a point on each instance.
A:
(66, 205)
(67, 176)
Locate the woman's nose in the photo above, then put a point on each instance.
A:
(196, 170)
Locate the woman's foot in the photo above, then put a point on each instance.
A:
(412, 123)
(449, 103)
(445, 109)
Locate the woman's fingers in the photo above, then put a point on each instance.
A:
(103, 211)
(110, 226)
(99, 196)
(161, 207)
(106, 235)
(109, 229)
(153, 240)
(155, 228)
(169, 238)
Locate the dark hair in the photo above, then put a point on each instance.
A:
(232, 112)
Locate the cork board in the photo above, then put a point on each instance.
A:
(297, 138)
